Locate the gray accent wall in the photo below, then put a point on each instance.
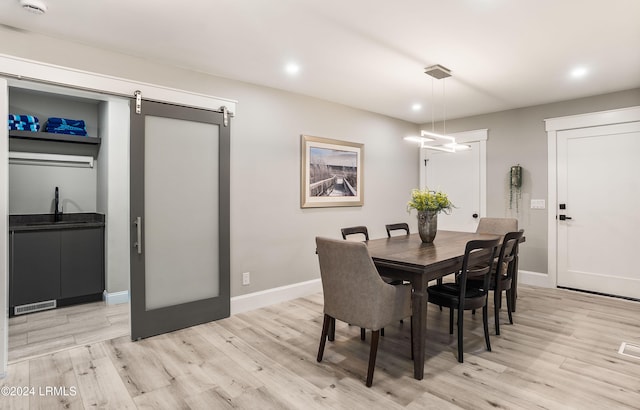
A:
(271, 236)
(518, 137)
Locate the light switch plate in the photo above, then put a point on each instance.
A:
(537, 204)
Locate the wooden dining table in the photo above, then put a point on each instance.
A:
(406, 257)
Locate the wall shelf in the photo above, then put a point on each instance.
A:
(49, 136)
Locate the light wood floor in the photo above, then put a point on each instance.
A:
(560, 354)
(54, 330)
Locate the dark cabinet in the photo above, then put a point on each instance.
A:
(81, 262)
(35, 263)
(56, 264)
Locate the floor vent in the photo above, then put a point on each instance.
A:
(629, 349)
(34, 307)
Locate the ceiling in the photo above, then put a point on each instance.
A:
(371, 54)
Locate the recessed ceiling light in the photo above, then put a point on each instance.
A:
(579, 72)
(34, 6)
(292, 68)
(416, 107)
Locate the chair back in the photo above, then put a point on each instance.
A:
(396, 227)
(497, 226)
(508, 252)
(353, 230)
(477, 263)
(353, 290)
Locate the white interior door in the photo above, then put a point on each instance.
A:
(462, 176)
(599, 187)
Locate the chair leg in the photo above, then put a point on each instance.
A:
(460, 335)
(450, 321)
(485, 322)
(375, 335)
(323, 337)
(362, 333)
(509, 307)
(332, 329)
(497, 295)
(439, 282)
(382, 331)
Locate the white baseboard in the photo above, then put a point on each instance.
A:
(116, 298)
(256, 300)
(535, 279)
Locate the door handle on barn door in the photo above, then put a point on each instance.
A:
(138, 242)
(564, 217)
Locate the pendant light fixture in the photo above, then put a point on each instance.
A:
(431, 139)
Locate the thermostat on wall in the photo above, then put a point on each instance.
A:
(537, 204)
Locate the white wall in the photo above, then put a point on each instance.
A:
(32, 187)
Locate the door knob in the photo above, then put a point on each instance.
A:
(475, 216)
(564, 217)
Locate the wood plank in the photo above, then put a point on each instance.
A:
(54, 371)
(18, 377)
(98, 379)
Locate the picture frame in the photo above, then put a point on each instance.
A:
(331, 173)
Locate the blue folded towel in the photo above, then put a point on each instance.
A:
(66, 126)
(23, 122)
(55, 121)
(23, 118)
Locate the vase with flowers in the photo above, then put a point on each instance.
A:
(429, 204)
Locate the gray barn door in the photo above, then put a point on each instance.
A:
(180, 218)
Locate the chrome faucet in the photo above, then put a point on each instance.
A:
(57, 215)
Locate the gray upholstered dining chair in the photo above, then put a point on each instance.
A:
(355, 293)
(497, 226)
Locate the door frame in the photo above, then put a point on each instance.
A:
(480, 136)
(553, 126)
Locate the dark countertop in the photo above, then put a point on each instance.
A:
(38, 222)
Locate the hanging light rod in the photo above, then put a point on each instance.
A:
(429, 140)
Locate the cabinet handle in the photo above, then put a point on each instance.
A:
(138, 243)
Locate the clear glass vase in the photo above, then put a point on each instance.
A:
(427, 225)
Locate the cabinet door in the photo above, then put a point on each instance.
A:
(35, 276)
(82, 262)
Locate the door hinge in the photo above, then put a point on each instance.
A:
(138, 95)
(225, 115)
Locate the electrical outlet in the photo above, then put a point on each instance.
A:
(246, 279)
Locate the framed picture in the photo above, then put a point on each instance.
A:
(331, 173)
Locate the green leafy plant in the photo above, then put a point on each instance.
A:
(426, 200)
